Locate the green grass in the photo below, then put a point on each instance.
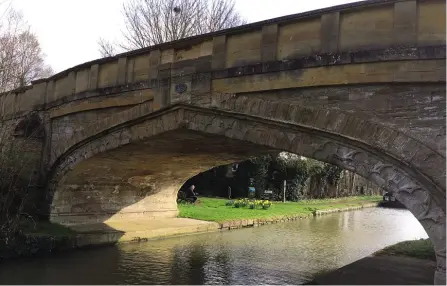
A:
(212, 209)
(422, 249)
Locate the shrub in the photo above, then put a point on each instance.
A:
(229, 203)
(266, 204)
(252, 204)
(312, 210)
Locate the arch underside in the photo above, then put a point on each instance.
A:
(136, 168)
(141, 179)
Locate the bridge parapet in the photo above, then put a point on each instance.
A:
(360, 26)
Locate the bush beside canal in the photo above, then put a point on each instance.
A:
(36, 238)
(218, 210)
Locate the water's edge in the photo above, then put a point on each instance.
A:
(258, 222)
(44, 245)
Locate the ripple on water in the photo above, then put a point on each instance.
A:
(287, 253)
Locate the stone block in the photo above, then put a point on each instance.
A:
(269, 43)
(367, 28)
(383, 137)
(404, 147)
(219, 52)
(108, 74)
(405, 22)
(431, 163)
(93, 79)
(187, 53)
(329, 32)
(154, 62)
(431, 23)
(283, 112)
(130, 70)
(82, 80)
(71, 82)
(167, 56)
(365, 130)
(243, 49)
(122, 71)
(299, 39)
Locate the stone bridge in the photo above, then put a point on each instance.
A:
(361, 86)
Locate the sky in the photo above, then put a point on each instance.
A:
(68, 30)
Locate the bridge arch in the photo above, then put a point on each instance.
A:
(326, 135)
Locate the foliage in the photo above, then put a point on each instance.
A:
(306, 179)
(229, 203)
(21, 61)
(251, 204)
(266, 204)
(36, 238)
(26, 245)
(21, 57)
(313, 210)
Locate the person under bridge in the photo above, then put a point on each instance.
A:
(191, 195)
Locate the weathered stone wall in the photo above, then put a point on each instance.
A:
(66, 130)
(252, 48)
(412, 108)
(415, 104)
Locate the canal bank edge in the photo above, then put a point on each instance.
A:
(257, 222)
(191, 226)
(111, 234)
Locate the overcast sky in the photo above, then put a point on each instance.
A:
(68, 30)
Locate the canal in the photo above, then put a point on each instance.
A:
(285, 253)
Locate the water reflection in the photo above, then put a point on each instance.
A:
(288, 253)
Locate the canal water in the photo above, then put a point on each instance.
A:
(285, 253)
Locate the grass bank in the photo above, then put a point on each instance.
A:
(214, 209)
(422, 249)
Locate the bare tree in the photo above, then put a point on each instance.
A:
(106, 48)
(151, 22)
(219, 15)
(21, 57)
(21, 61)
